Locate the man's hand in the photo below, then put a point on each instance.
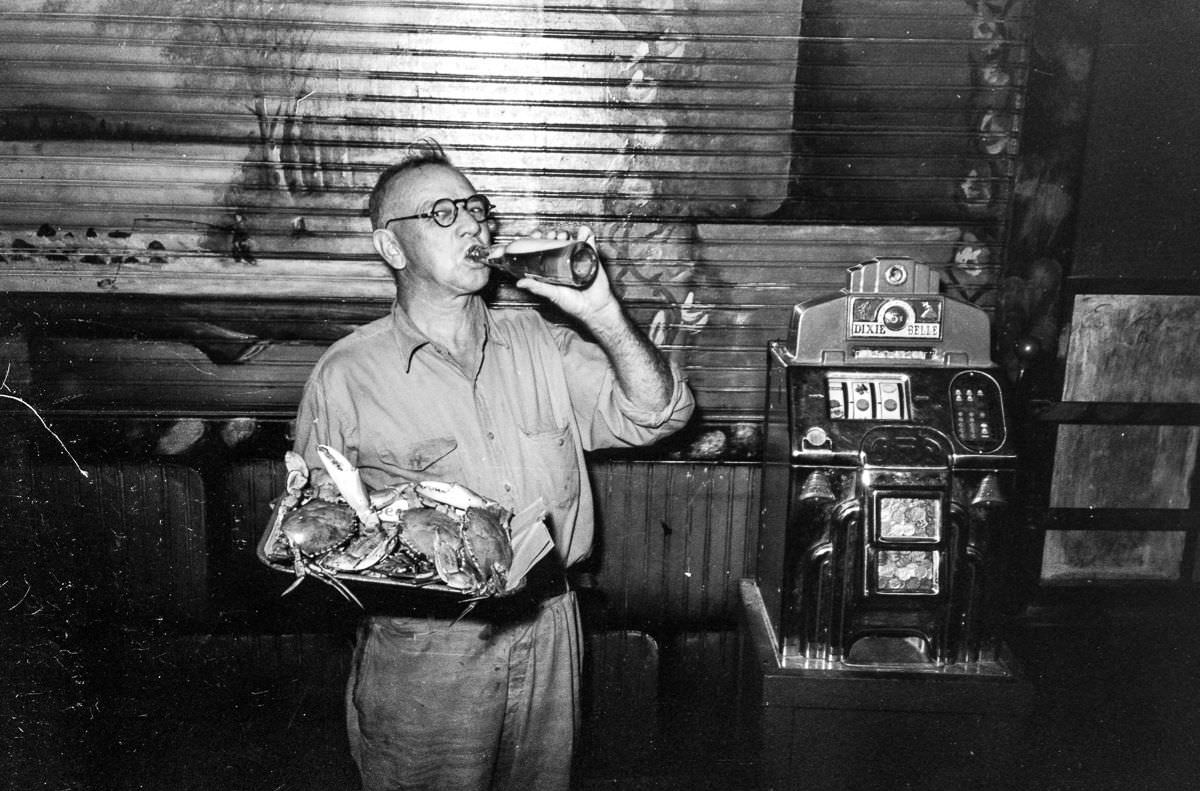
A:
(596, 306)
(642, 372)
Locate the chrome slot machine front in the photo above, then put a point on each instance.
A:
(887, 473)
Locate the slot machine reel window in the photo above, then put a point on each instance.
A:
(868, 397)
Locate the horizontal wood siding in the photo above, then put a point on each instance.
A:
(222, 150)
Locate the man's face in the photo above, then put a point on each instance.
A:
(436, 257)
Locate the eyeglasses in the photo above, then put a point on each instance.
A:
(445, 210)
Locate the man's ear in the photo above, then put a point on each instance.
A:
(389, 248)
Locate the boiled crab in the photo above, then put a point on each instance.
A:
(471, 550)
(410, 531)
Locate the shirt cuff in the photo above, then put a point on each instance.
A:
(679, 407)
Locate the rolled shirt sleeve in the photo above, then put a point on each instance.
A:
(607, 416)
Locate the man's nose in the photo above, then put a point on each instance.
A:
(471, 226)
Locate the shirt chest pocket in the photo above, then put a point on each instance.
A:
(435, 458)
(552, 465)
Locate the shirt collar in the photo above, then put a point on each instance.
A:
(410, 339)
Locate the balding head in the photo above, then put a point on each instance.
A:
(426, 153)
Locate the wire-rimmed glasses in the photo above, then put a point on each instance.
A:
(445, 210)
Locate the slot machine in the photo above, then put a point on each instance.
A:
(888, 469)
(881, 575)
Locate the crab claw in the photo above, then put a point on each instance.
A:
(454, 495)
(297, 477)
(349, 483)
(390, 501)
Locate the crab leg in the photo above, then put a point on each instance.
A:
(454, 495)
(340, 587)
(298, 568)
(345, 476)
(362, 553)
(295, 583)
(303, 570)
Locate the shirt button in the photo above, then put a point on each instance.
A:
(508, 487)
(491, 435)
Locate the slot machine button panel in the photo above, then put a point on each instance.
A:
(977, 407)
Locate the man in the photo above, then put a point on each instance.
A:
(446, 388)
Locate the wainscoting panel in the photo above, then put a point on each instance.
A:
(674, 538)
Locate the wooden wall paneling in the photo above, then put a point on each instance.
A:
(164, 377)
(499, 80)
(626, 564)
(910, 110)
(620, 699)
(750, 276)
(224, 149)
(130, 539)
(674, 539)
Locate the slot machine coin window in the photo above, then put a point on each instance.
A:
(910, 519)
(896, 564)
(906, 572)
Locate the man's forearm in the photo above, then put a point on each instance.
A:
(642, 372)
(641, 369)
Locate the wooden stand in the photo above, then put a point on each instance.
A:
(843, 729)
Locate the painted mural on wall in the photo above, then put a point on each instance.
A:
(661, 260)
(1047, 188)
(226, 147)
(211, 211)
(225, 71)
(223, 149)
(983, 194)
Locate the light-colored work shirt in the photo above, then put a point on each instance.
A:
(401, 408)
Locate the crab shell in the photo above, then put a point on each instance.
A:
(471, 552)
(434, 535)
(368, 547)
(318, 526)
(488, 547)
